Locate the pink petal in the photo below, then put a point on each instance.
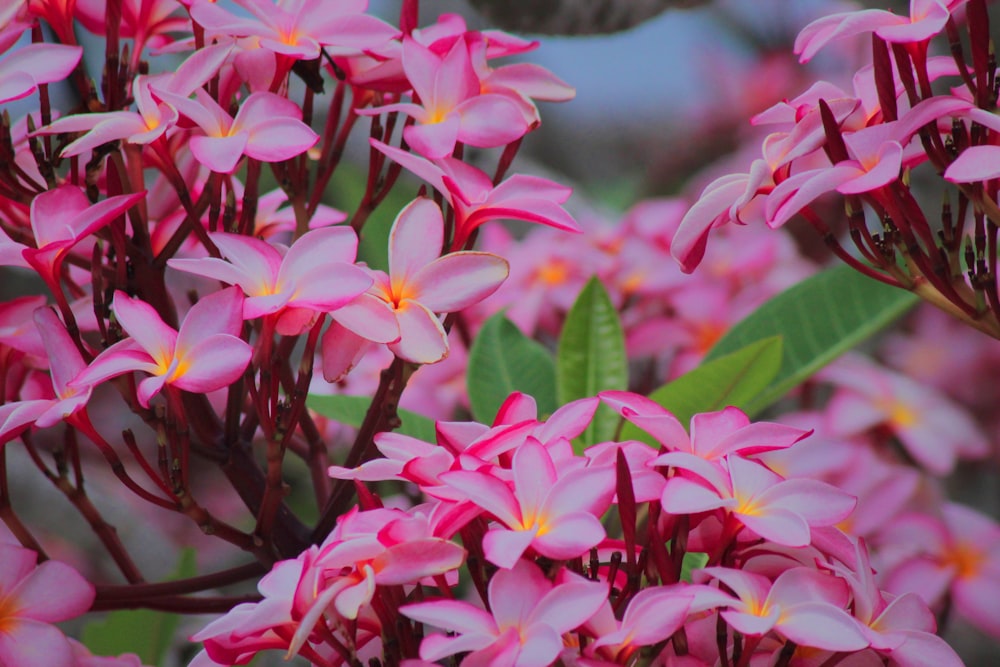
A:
(28, 642)
(822, 625)
(489, 493)
(143, 323)
(451, 615)
(218, 313)
(44, 63)
(567, 536)
(416, 239)
(279, 139)
(54, 592)
(212, 363)
(434, 139)
(422, 339)
(490, 120)
(369, 317)
(459, 280)
(220, 154)
(976, 163)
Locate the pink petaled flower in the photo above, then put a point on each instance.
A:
(927, 18)
(901, 627)
(26, 68)
(554, 514)
(419, 284)
(472, 195)
(952, 559)
(772, 507)
(204, 355)
(32, 598)
(152, 118)
(298, 28)
(368, 549)
(529, 616)
(934, 431)
(267, 127)
(316, 275)
(60, 218)
(451, 107)
(65, 363)
(802, 605)
(145, 21)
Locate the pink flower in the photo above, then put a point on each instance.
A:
(554, 514)
(529, 616)
(774, 508)
(316, 275)
(60, 218)
(956, 555)
(31, 599)
(451, 106)
(204, 355)
(267, 127)
(934, 431)
(298, 28)
(802, 605)
(421, 283)
(472, 195)
(927, 18)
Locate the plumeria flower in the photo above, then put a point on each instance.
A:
(955, 556)
(901, 627)
(471, 193)
(803, 605)
(934, 431)
(927, 18)
(315, 275)
(205, 354)
(267, 127)
(554, 514)
(60, 218)
(772, 507)
(152, 118)
(32, 598)
(298, 29)
(529, 616)
(421, 283)
(451, 106)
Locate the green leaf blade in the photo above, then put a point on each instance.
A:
(503, 360)
(591, 357)
(819, 319)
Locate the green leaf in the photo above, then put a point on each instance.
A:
(503, 360)
(819, 319)
(591, 357)
(351, 410)
(735, 379)
(149, 634)
(692, 561)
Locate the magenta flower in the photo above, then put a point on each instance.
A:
(32, 598)
(298, 28)
(554, 514)
(802, 605)
(316, 275)
(927, 18)
(529, 616)
(451, 106)
(204, 355)
(772, 507)
(60, 218)
(152, 118)
(267, 127)
(471, 193)
(420, 284)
